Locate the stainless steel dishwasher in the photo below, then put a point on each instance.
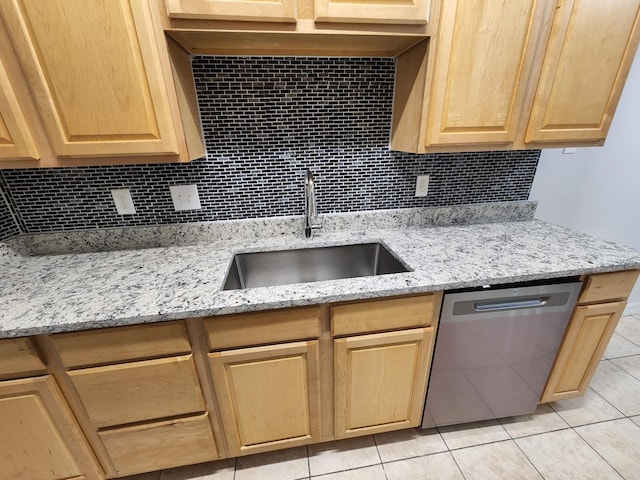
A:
(494, 350)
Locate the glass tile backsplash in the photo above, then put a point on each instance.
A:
(265, 120)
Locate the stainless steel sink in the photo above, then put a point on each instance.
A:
(266, 269)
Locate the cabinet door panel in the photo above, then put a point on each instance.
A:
(39, 437)
(16, 142)
(139, 391)
(255, 10)
(586, 339)
(484, 54)
(269, 396)
(155, 446)
(95, 74)
(588, 57)
(389, 367)
(372, 11)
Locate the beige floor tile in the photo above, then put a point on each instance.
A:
(342, 455)
(413, 442)
(564, 455)
(617, 387)
(589, 408)
(220, 470)
(618, 442)
(543, 420)
(629, 328)
(631, 365)
(440, 466)
(470, 434)
(495, 461)
(289, 464)
(374, 472)
(620, 347)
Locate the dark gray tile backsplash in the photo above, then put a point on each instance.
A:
(265, 120)
(8, 226)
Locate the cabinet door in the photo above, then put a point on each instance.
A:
(16, 142)
(255, 10)
(269, 396)
(588, 57)
(585, 340)
(372, 11)
(40, 439)
(484, 53)
(96, 75)
(391, 368)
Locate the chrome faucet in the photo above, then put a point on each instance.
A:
(311, 220)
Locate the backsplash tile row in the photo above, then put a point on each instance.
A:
(8, 226)
(265, 121)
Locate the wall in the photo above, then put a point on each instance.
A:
(597, 190)
(266, 120)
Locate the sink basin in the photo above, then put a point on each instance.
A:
(267, 269)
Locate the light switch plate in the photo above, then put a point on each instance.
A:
(422, 185)
(185, 197)
(123, 201)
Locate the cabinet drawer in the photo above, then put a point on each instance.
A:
(276, 326)
(19, 356)
(608, 286)
(121, 344)
(155, 446)
(380, 315)
(139, 391)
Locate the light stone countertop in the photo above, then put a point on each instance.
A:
(74, 291)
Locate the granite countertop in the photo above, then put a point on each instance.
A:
(183, 277)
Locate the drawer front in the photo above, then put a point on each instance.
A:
(139, 391)
(608, 286)
(259, 328)
(121, 344)
(380, 315)
(19, 356)
(155, 446)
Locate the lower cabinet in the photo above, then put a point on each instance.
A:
(381, 381)
(586, 339)
(269, 396)
(39, 437)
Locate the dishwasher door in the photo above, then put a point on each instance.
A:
(494, 351)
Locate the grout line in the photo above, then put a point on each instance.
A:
(235, 466)
(308, 460)
(373, 437)
(453, 457)
(527, 457)
(597, 452)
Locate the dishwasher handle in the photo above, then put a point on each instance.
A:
(510, 305)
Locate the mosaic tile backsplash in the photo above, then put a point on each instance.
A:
(8, 227)
(265, 121)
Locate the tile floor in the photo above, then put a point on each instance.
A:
(593, 437)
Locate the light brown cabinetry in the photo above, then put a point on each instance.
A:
(40, 438)
(586, 62)
(513, 75)
(16, 140)
(391, 367)
(254, 10)
(484, 55)
(588, 334)
(101, 80)
(269, 395)
(138, 390)
(371, 11)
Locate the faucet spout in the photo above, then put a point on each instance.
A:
(311, 221)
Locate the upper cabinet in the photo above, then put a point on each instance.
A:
(254, 10)
(588, 57)
(372, 11)
(101, 80)
(16, 141)
(484, 55)
(513, 75)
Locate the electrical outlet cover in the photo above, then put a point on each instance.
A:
(422, 185)
(123, 201)
(185, 197)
